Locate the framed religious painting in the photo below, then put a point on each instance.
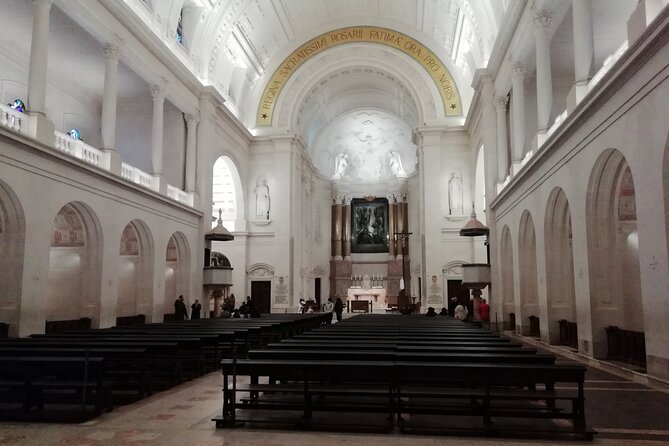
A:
(369, 225)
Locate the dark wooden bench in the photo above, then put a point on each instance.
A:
(54, 388)
(432, 388)
(125, 368)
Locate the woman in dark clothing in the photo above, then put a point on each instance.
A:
(338, 308)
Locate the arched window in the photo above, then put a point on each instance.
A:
(180, 33)
(224, 195)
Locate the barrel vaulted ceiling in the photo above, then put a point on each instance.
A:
(237, 45)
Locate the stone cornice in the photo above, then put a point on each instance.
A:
(646, 46)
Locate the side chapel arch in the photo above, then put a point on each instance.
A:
(527, 264)
(613, 254)
(12, 245)
(75, 259)
(177, 270)
(559, 263)
(135, 285)
(507, 286)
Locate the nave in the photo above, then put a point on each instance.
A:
(620, 411)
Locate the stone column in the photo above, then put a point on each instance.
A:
(392, 211)
(191, 151)
(584, 51)
(336, 230)
(43, 128)
(542, 22)
(158, 94)
(642, 16)
(517, 77)
(346, 223)
(400, 227)
(111, 53)
(502, 145)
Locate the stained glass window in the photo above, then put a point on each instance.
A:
(180, 35)
(18, 105)
(74, 133)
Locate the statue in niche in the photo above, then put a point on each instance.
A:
(262, 200)
(395, 162)
(455, 195)
(341, 162)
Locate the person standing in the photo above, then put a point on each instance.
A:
(461, 312)
(328, 306)
(195, 310)
(180, 312)
(338, 308)
(484, 313)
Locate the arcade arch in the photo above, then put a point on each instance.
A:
(177, 267)
(527, 265)
(506, 267)
(74, 264)
(613, 249)
(12, 242)
(559, 262)
(135, 284)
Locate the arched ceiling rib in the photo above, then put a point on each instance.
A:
(232, 43)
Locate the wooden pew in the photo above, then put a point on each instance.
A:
(70, 388)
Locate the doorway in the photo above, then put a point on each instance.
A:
(459, 292)
(317, 291)
(261, 291)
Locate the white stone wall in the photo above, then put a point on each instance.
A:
(43, 182)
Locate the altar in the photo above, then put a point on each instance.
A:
(367, 290)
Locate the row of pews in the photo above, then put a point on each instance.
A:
(414, 373)
(75, 375)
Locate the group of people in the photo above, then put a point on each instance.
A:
(247, 309)
(181, 312)
(462, 313)
(336, 307)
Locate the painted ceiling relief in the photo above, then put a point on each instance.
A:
(366, 147)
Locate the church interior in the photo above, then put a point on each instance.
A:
(384, 156)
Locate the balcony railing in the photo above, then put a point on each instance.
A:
(79, 149)
(13, 119)
(76, 148)
(137, 176)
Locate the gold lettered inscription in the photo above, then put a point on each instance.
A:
(356, 34)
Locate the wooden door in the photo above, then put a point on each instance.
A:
(459, 292)
(261, 293)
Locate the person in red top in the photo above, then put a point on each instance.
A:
(484, 313)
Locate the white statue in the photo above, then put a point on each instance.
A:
(395, 162)
(341, 162)
(262, 200)
(455, 195)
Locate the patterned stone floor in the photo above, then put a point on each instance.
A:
(182, 416)
(624, 413)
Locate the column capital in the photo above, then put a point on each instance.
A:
(519, 69)
(542, 19)
(111, 50)
(191, 120)
(44, 3)
(157, 92)
(501, 103)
